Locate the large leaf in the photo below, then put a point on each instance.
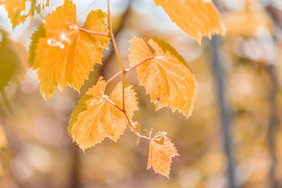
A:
(197, 18)
(66, 55)
(95, 118)
(165, 77)
(161, 151)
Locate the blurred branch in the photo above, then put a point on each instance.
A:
(271, 134)
(272, 127)
(224, 111)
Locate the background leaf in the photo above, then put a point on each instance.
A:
(197, 18)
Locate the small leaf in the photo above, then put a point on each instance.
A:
(166, 77)
(161, 152)
(66, 55)
(95, 118)
(197, 18)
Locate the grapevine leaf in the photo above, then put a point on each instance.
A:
(66, 55)
(161, 151)
(18, 12)
(197, 18)
(165, 77)
(95, 118)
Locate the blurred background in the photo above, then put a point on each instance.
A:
(233, 138)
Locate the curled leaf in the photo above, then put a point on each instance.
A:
(161, 152)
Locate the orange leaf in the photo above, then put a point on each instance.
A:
(161, 151)
(165, 77)
(197, 18)
(95, 118)
(66, 55)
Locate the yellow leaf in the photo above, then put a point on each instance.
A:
(197, 18)
(165, 77)
(161, 151)
(17, 11)
(66, 55)
(95, 118)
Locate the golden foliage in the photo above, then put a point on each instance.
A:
(161, 152)
(197, 18)
(168, 81)
(66, 55)
(96, 117)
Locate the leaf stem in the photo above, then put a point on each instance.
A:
(129, 122)
(93, 32)
(129, 69)
(137, 65)
(113, 36)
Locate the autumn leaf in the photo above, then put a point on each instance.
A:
(66, 55)
(96, 118)
(161, 152)
(18, 12)
(197, 18)
(165, 76)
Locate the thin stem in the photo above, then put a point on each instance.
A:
(89, 6)
(129, 69)
(123, 88)
(94, 33)
(137, 65)
(113, 37)
(129, 122)
(114, 76)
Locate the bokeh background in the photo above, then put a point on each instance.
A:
(232, 139)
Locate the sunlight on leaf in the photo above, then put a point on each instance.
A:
(166, 78)
(95, 118)
(197, 18)
(66, 55)
(161, 152)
